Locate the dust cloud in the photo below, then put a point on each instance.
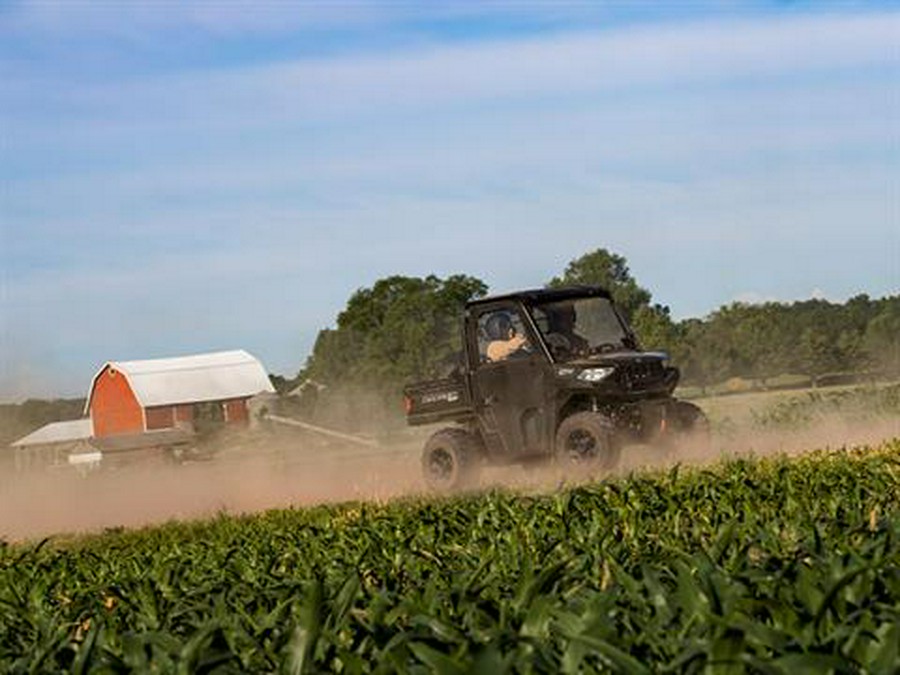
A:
(831, 433)
(144, 491)
(276, 471)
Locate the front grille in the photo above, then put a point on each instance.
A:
(640, 375)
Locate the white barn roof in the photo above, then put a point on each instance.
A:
(191, 379)
(57, 432)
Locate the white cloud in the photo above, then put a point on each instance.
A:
(65, 17)
(244, 204)
(560, 65)
(757, 298)
(753, 298)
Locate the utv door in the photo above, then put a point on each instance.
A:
(509, 392)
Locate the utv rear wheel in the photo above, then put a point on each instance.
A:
(586, 440)
(450, 460)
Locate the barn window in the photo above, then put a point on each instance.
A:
(162, 417)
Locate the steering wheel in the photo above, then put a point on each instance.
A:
(603, 348)
(559, 344)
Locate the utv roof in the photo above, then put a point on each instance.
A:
(545, 295)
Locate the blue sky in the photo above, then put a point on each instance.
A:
(193, 176)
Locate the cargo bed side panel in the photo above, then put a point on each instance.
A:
(437, 401)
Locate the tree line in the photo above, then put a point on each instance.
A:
(407, 328)
(19, 419)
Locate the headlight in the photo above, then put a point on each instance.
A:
(595, 374)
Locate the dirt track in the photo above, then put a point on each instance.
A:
(255, 477)
(60, 501)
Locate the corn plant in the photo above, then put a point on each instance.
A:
(770, 566)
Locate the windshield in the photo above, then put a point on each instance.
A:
(580, 327)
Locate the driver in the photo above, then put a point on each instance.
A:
(504, 340)
(562, 333)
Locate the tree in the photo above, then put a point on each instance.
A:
(651, 322)
(609, 270)
(702, 355)
(882, 337)
(761, 343)
(401, 328)
(817, 353)
(655, 328)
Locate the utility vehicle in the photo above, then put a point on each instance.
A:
(549, 374)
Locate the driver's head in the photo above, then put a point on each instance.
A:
(499, 326)
(563, 317)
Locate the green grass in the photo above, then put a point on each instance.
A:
(794, 409)
(860, 405)
(771, 566)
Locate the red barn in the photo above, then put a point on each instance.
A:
(135, 397)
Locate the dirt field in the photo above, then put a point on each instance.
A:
(268, 471)
(740, 407)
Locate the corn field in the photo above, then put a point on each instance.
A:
(769, 566)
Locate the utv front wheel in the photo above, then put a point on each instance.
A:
(586, 440)
(450, 460)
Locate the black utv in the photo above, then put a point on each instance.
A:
(547, 374)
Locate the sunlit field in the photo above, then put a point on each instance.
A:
(780, 565)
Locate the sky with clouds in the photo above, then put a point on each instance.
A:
(180, 177)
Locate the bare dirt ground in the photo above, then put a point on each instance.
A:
(270, 472)
(150, 492)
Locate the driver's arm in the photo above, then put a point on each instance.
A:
(517, 342)
(502, 349)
